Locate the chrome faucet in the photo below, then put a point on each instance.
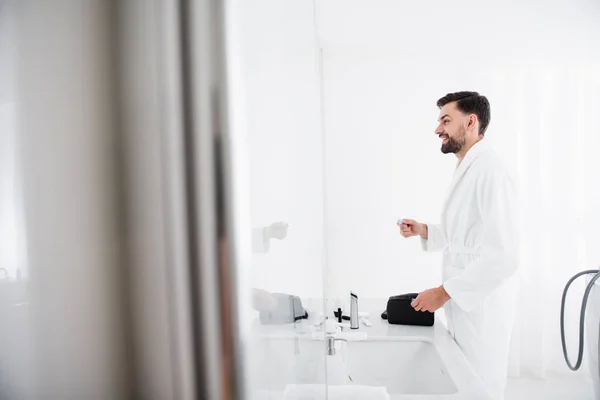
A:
(330, 341)
(353, 311)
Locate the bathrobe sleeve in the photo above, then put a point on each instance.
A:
(436, 238)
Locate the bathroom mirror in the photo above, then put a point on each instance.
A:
(279, 63)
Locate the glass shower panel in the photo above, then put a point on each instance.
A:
(278, 61)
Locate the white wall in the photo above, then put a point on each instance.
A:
(278, 60)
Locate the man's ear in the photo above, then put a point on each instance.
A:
(471, 122)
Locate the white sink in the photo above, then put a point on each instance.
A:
(411, 362)
(402, 366)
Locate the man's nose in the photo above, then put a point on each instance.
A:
(439, 130)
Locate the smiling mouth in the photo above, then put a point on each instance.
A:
(444, 138)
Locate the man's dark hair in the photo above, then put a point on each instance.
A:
(470, 103)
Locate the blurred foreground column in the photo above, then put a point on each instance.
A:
(74, 332)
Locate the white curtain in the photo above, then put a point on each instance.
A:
(551, 117)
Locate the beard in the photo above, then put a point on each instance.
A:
(454, 145)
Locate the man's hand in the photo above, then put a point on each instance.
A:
(277, 230)
(410, 227)
(431, 300)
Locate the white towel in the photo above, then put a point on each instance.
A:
(335, 392)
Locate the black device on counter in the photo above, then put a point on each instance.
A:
(338, 314)
(400, 312)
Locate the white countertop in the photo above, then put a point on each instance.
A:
(379, 329)
(469, 385)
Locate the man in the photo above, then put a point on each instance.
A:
(477, 235)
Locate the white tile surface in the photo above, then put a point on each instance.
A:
(554, 388)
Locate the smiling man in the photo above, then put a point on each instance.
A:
(477, 234)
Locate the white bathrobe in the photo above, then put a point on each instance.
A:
(478, 234)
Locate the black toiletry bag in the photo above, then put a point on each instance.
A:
(400, 312)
